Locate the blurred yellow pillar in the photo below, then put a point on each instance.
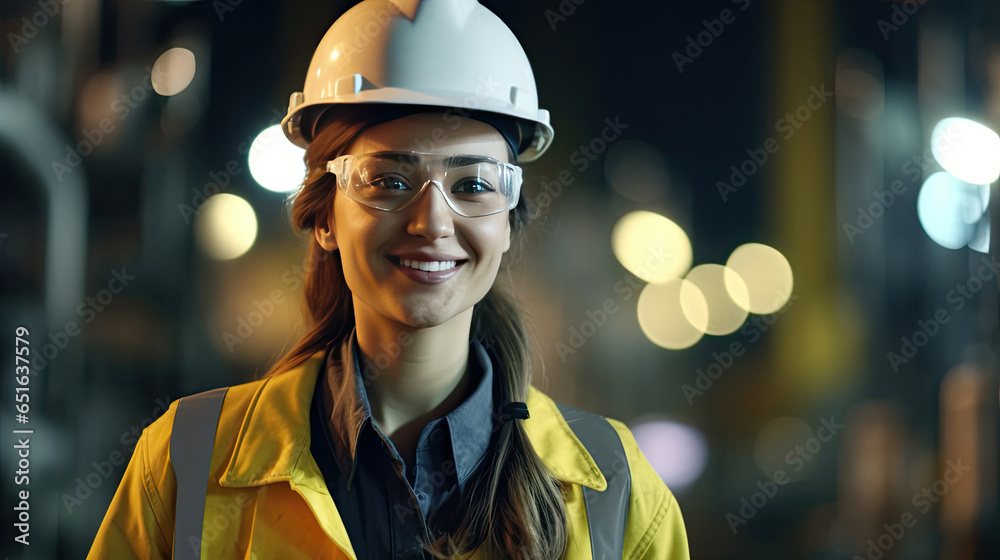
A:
(816, 342)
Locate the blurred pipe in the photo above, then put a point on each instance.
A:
(33, 138)
(965, 420)
(871, 475)
(940, 71)
(30, 136)
(861, 146)
(993, 210)
(80, 24)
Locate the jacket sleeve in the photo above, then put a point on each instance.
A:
(668, 536)
(655, 528)
(136, 524)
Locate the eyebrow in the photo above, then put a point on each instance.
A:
(401, 157)
(463, 160)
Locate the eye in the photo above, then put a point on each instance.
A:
(389, 183)
(473, 185)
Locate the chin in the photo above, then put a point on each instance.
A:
(421, 321)
(421, 318)
(427, 317)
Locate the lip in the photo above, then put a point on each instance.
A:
(426, 257)
(426, 277)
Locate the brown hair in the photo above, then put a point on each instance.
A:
(516, 508)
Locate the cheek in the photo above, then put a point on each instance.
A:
(492, 239)
(356, 229)
(355, 235)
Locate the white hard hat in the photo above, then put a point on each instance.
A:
(453, 54)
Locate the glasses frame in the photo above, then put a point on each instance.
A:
(337, 167)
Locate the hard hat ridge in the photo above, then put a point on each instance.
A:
(460, 10)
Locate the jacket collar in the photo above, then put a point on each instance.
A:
(273, 441)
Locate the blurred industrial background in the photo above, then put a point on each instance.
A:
(812, 370)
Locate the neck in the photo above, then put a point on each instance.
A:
(412, 374)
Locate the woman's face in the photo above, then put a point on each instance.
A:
(373, 244)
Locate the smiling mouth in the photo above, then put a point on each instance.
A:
(427, 266)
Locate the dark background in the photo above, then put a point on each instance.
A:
(825, 355)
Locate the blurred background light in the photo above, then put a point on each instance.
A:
(967, 150)
(97, 99)
(225, 226)
(784, 444)
(677, 452)
(858, 85)
(766, 276)
(173, 71)
(636, 170)
(981, 237)
(950, 209)
(726, 295)
(275, 163)
(673, 315)
(651, 246)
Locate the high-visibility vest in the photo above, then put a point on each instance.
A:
(193, 438)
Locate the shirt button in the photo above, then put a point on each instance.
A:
(421, 496)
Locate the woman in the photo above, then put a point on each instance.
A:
(403, 425)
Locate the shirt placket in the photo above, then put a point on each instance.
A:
(405, 510)
(434, 469)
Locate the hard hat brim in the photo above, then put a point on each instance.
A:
(300, 122)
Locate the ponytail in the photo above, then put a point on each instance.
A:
(526, 517)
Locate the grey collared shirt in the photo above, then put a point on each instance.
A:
(385, 504)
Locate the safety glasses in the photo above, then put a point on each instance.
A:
(472, 185)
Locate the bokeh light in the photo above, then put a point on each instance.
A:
(225, 226)
(651, 246)
(766, 275)
(275, 163)
(981, 238)
(673, 315)
(858, 84)
(950, 209)
(726, 309)
(97, 99)
(636, 170)
(173, 71)
(677, 452)
(967, 150)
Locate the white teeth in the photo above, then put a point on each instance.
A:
(432, 266)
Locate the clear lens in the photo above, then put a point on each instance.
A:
(472, 185)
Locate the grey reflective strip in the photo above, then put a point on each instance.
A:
(191, 442)
(607, 511)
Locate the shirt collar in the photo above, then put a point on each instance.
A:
(345, 398)
(471, 423)
(273, 440)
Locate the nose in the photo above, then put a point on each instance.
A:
(430, 215)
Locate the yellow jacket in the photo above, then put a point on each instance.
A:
(267, 497)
